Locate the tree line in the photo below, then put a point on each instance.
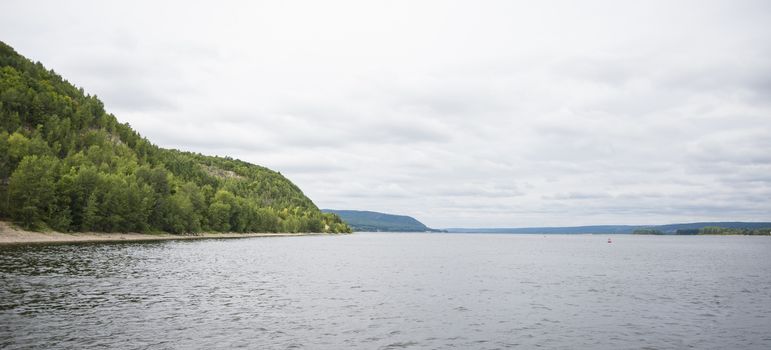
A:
(68, 165)
(709, 230)
(714, 230)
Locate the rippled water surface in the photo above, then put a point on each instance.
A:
(370, 291)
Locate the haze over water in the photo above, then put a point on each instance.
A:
(391, 291)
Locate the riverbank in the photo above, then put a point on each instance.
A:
(13, 235)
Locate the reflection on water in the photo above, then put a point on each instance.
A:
(391, 291)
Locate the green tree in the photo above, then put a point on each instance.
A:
(91, 217)
(219, 216)
(32, 190)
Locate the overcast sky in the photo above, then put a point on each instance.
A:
(459, 113)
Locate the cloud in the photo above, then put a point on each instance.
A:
(462, 114)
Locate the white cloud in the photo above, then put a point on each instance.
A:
(461, 113)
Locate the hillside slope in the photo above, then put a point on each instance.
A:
(68, 165)
(374, 221)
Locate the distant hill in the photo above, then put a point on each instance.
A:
(613, 229)
(370, 221)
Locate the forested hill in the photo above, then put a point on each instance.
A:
(68, 165)
(374, 221)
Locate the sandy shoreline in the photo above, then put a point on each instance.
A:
(12, 235)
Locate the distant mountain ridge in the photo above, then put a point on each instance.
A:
(614, 229)
(371, 221)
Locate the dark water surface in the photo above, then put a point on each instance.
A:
(389, 291)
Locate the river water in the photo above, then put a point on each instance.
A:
(391, 291)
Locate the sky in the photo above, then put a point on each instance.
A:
(459, 113)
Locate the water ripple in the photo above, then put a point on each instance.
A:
(390, 291)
